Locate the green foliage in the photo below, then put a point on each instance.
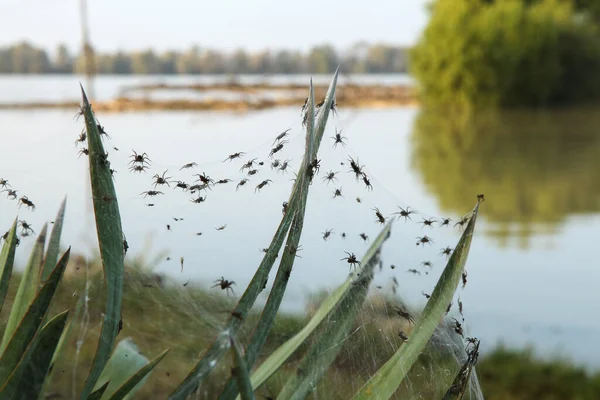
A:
(506, 53)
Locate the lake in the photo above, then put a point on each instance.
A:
(532, 270)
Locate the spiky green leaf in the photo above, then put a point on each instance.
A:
(7, 260)
(27, 380)
(30, 323)
(27, 288)
(240, 371)
(385, 382)
(53, 249)
(110, 240)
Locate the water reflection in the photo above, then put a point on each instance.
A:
(535, 168)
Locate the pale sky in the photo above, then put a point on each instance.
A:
(221, 24)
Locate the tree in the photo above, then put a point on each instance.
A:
(508, 53)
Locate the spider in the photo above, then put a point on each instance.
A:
(197, 187)
(26, 229)
(83, 151)
(343, 235)
(82, 137)
(222, 181)
(427, 264)
(150, 205)
(284, 165)
(101, 131)
(262, 184)
(233, 156)
(428, 222)
(338, 138)
(379, 215)
(446, 251)
(356, 167)
(275, 163)
(252, 172)
(188, 165)
(112, 172)
(224, 284)
(462, 222)
(284, 207)
(427, 296)
(367, 182)
(449, 307)
(125, 247)
(405, 314)
(242, 183)
(28, 203)
(161, 180)
(4, 183)
(464, 279)
(198, 200)
(480, 197)
(294, 249)
(405, 213)
(364, 236)
(358, 200)
(222, 227)
(138, 168)
(351, 259)
(460, 308)
(471, 340)
(413, 271)
(338, 192)
(458, 327)
(445, 222)
(205, 179)
(330, 176)
(248, 164)
(423, 240)
(403, 336)
(10, 193)
(281, 136)
(277, 148)
(181, 185)
(139, 158)
(151, 193)
(313, 168)
(327, 233)
(321, 103)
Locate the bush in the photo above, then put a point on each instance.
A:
(508, 53)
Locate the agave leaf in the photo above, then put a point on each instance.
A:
(459, 386)
(30, 323)
(27, 379)
(7, 260)
(64, 339)
(332, 302)
(218, 348)
(125, 362)
(338, 324)
(98, 393)
(54, 243)
(385, 382)
(299, 199)
(137, 380)
(27, 288)
(110, 240)
(241, 371)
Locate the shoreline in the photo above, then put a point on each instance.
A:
(251, 97)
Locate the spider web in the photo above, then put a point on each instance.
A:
(170, 263)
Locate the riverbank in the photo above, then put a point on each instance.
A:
(186, 317)
(233, 96)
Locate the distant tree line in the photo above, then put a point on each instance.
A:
(24, 58)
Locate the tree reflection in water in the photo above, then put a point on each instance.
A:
(536, 168)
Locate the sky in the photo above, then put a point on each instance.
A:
(220, 24)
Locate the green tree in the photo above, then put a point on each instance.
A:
(508, 53)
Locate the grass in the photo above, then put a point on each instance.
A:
(505, 374)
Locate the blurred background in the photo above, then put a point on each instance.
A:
(440, 100)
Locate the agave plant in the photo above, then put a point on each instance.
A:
(32, 341)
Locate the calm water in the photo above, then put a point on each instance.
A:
(532, 271)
